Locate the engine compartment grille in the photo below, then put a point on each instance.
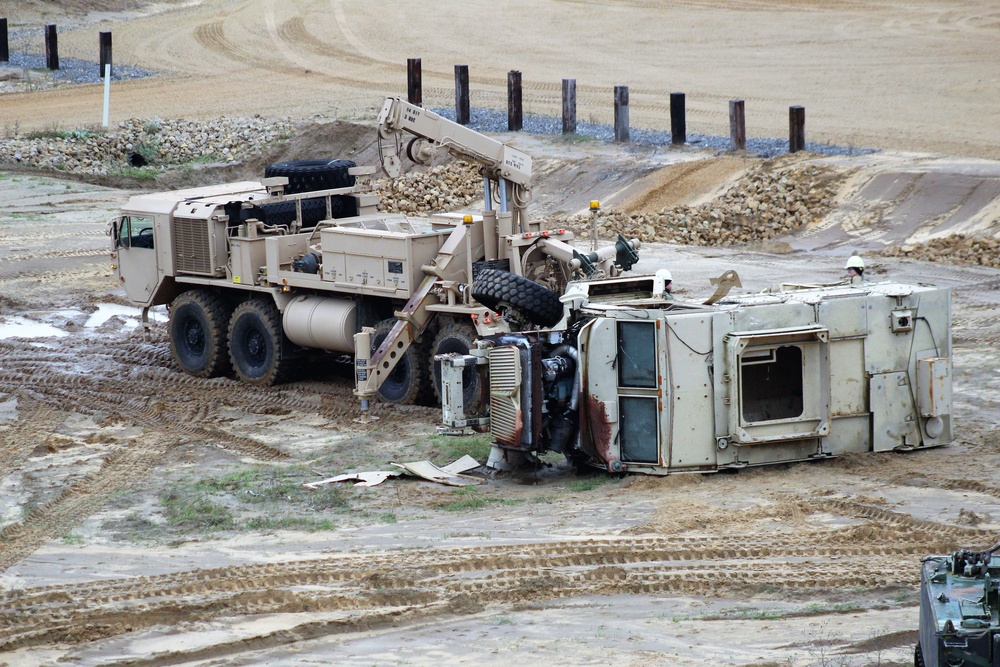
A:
(192, 246)
(505, 402)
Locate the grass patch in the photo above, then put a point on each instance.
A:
(56, 133)
(137, 173)
(361, 451)
(250, 498)
(196, 512)
(467, 498)
(444, 449)
(288, 522)
(590, 483)
(72, 538)
(386, 517)
(263, 484)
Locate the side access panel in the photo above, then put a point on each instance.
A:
(893, 421)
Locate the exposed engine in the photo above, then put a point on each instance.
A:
(549, 390)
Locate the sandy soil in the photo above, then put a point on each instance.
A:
(794, 565)
(901, 74)
(102, 438)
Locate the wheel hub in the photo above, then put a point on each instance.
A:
(256, 347)
(194, 335)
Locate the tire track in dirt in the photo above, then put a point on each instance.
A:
(492, 574)
(122, 469)
(18, 441)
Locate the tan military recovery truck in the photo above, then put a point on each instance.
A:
(632, 381)
(256, 274)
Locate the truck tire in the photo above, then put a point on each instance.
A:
(408, 382)
(312, 175)
(918, 656)
(255, 343)
(458, 338)
(198, 323)
(501, 289)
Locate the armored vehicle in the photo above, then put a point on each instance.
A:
(631, 380)
(959, 606)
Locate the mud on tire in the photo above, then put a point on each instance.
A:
(199, 320)
(501, 289)
(255, 343)
(312, 175)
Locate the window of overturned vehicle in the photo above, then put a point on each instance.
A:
(771, 383)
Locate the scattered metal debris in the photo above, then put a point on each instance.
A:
(450, 474)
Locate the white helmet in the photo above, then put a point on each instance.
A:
(661, 283)
(855, 262)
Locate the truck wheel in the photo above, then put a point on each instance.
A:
(408, 382)
(312, 175)
(198, 321)
(255, 338)
(458, 338)
(918, 656)
(501, 289)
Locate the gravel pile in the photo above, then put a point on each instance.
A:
(763, 206)
(448, 187)
(487, 120)
(954, 249)
(160, 143)
(72, 70)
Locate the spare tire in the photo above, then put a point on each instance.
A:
(312, 175)
(501, 289)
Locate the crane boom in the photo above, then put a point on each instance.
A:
(497, 159)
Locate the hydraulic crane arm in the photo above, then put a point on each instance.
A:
(498, 160)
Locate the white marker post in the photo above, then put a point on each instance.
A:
(107, 91)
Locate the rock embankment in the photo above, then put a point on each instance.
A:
(158, 143)
(765, 205)
(953, 249)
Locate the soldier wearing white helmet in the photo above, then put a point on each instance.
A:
(856, 270)
(663, 284)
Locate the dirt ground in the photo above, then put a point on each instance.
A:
(901, 74)
(150, 518)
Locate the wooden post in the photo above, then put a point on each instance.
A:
(621, 113)
(737, 126)
(569, 106)
(678, 122)
(414, 86)
(104, 41)
(462, 94)
(515, 112)
(796, 129)
(51, 47)
(4, 43)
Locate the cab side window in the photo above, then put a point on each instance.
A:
(135, 231)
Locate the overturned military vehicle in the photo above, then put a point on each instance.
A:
(631, 380)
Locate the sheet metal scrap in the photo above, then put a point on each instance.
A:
(450, 474)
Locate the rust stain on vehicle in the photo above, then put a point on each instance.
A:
(600, 428)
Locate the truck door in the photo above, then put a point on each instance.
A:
(134, 249)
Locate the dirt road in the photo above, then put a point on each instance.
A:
(901, 74)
